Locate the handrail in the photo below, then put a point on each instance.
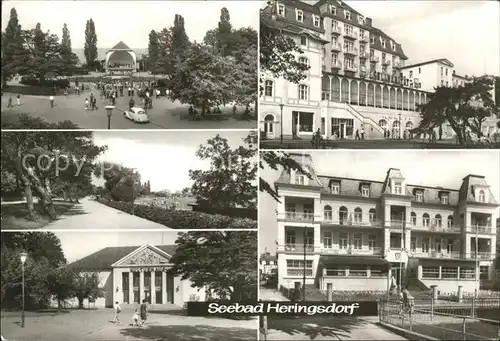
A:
(371, 121)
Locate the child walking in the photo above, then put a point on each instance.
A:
(118, 310)
(86, 104)
(135, 318)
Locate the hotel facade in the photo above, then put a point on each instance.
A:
(357, 78)
(362, 235)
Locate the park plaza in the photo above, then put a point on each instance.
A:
(130, 274)
(373, 235)
(357, 79)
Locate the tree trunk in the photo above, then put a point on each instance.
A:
(29, 200)
(43, 193)
(65, 195)
(80, 302)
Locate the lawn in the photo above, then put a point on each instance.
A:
(166, 202)
(15, 216)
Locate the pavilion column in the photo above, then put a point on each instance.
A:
(141, 286)
(130, 287)
(152, 287)
(164, 287)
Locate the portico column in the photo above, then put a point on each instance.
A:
(130, 286)
(164, 287)
(152, 287)
(141, 286)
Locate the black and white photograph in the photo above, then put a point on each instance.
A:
(125, 285)
(379, 75)
(158, 180)
(396, 227)
(133, 65)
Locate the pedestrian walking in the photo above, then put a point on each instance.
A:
(9, 104)
(18, 99)
(117, 310)
(362, 133)
(51, 99)
(357, 135)
(144, 312)
(86, 104)
(157, 93)
(135, 318)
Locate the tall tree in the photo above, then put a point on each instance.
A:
(69, 59)
(90, 49)
(153, 51)
(122, 183)
(210, 39)
(231, 179)
(224, 262)
(224, 32)
(180, 41)
(12, 47)
(166, 57)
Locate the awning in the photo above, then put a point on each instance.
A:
(326, 261)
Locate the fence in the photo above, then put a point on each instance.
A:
(445, 320)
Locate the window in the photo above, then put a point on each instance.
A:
(411, 74)
(372, 40)
(361, 20)
(446, 72)
(413, 244)
(348, 29)
(449, 273)
(347, 15)
(295, 267)
(450, 222)
(483, 271)
(336, 271)
(358, 271)
(365, 191)
(303, 40)
(335, 58)
(444, 199)
(299, 179)
(419, 196)
(426, 220)
(343, 215)
(316, 20)
(482, 196)
(290, 238)
(299, 15)
(361, 34)
(413, 217)
(281, 10)
(438, 244)
(335, 25)
(395, 241)
(358, 215)
(438, 221)
(430, 272)
(398, 188)
(372, 241)
(349, 62)
(393, 46)
(348, 45)
(372, 215)
(327, 239)
(333, 10)
(449, 246)
(335, 188)
(358, 236)
(442, 82)
(383, 44)
(269, 88)
(303, 61)
(343, 240)
(441, 70)
(425, 245)
(446, 83)
(328, 213)
(419, 70)
(303, 92)
(467, 273)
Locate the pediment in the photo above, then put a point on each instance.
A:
(145, 255)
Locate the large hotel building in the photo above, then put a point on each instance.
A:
(358, 77)
(353, 234)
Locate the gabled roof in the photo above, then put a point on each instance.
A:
(121, 46)
(392, 173)
(305, 160)
(440, 60)
(104, 258)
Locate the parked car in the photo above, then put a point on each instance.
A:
(138, 115)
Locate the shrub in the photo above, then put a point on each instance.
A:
(181, 219)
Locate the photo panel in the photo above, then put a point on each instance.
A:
(404, 230)
(181, 65)
(129, 180)
(124, 285)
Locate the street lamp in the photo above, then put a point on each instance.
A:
(281, 119)
(109, 112)
(23, 256)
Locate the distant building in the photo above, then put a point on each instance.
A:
(268, 264)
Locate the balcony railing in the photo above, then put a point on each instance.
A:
(351, 34)
(364, 55)
(375, 251)
(374, 59)
(352, 67)
(437, 228)
(297, 216)
(481, 255)
(336, 30)
(298, 272)
(436, 254)
(336, 47)
(481, 229)
(336, 64)
(352, 51)
(396, 224)
(298, 248)
(386, 62)
(356, 222)
(364, 38)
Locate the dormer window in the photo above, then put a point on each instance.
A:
(393, 46)
(482, 196)
(398, 188)
(299, 15)
(316, 20)
(335, 187)
(299, 179)
(347, 14)
(383, 43)
(333, 10)
(444, 199)
(372, 40)
(419, 196)
(365, 191)
(361, 20)
(281, 10)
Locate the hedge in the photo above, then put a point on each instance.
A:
(31, 90)
(177, 219)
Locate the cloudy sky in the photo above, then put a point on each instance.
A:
(163, 157)
(77, 245)
(425, 167)
(129, 21)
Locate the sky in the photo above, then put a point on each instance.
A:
(129, 21)
(420, 167)
(77, 245)
(162, 157)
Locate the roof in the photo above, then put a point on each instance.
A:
(121, 46)
(268, 257)
(351, 187)
(458, 76)
(467, 192)
(350, 260)
(104, 258)
(440, 60)
(378, 45)
(306, 161)
(289, 20)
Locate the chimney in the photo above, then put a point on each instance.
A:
(368, 21)
(453, 72)
(466, 76)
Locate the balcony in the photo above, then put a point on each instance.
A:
(436, 228)
(374, 59)
(364, 38)
(351, 67)
(336, 30)
(297, 248)
(396, 224)
(480, 229)
(481, 255)
(397, 65)
(336, 47)
(351, 34)
(364, 55)
(296, 216)
(375, 251)
(434, 254)
(352, 222)
(352, 51)
(336, 65)
(386, 62)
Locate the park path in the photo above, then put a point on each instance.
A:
(90, 214)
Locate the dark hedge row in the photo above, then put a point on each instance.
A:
(177, 219)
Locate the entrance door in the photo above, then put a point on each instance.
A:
(135, 278)
(295, 122)
(158, 291)
(323, 126)
(269, 126)
(147, 286)
(170, 287)
(342, 130)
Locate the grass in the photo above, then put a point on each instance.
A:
(15, 216)
(183, 201)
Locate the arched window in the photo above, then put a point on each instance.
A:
(354, 92)
(372, 213)
(393, 98)
(343, 215)
(345, 90)
(378, 96)
(450, 222)
(409, 125)
(426, 220)
(482, 196)
(438, 220)
(405, 100)
(395, 125)
(303, 92)
(370, 95)
(269, 123)
(362, 93)
(382, 123)
(328, 213)
(303, 40)
(412, 101)
(385, 96)
(358, 215)
(325, 88)
(269, 88)
(400, 99)
(335, 89)
(413, 217)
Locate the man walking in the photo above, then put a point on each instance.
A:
(144, 312)
(117, 310)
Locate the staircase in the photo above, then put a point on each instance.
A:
(418, 289)
(378, 131)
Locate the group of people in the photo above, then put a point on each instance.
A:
(18, 98)
(138, 318)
